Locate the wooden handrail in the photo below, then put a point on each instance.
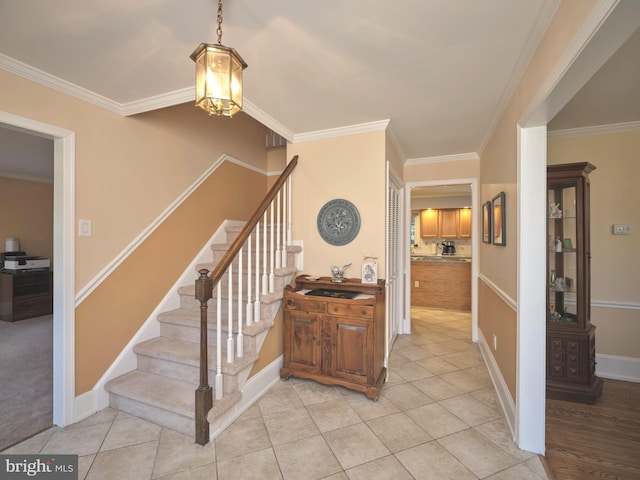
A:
(228, 257)
(204, 290)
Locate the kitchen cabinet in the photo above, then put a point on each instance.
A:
(445, 223)
(25, 294)
(464, 229)
(429, 223)
(449, 222)
(334, 340)
(570, 334)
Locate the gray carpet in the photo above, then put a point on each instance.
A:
(26, 378)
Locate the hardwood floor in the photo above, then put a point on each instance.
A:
(596, 441)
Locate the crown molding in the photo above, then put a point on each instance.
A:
(377, 126)
(157, 102)
(457, 157)
(14, 66)
(267, 120)
(595, 130)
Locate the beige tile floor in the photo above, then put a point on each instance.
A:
(437, 418)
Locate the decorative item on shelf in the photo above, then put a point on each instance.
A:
(558, 245)
(338, 222)
(218, 76)
(554, 211)
(567, 244)
(370, 269)
(337, 273)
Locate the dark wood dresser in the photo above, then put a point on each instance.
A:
(25, 294)
(335, 340)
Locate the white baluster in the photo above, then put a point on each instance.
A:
(230, 316)
(249, 313)
(284, 225)
(278, 253)
(219, 342)
(265, 277)
(272, 251)
(240, 337)
(256, 307)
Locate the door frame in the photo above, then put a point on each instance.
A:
(406, 327)
(63, 260)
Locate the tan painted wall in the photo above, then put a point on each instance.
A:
(499, 319)
(109, 317)
(442, 171)
(615, 259)
(349, 167)
(498, 172)
(26, 212)
(393, 157)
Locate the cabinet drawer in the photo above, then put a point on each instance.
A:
(306, 305)
(350, 310)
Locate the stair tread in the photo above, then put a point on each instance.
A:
(161, 392)
(188, 353)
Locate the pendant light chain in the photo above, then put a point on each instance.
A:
(219, 30)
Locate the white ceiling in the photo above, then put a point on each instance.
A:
(439, 71)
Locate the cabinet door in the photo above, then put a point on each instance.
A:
(302, 341)
(449, 222)
(352, 342)
(429, 223)
(464, 231)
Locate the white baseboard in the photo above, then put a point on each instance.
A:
(504, 396)
(618, 368)
(253, 390)
(85, 406)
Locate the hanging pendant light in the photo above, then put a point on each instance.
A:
(218, 76)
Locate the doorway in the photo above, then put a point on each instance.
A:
(63, 260)
(457, 187)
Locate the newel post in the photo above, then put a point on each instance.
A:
(204, 291)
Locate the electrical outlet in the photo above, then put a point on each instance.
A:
(416, 284)
(495, 342)
(621, 229)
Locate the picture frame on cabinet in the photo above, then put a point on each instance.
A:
(486, 222)
(499, 217)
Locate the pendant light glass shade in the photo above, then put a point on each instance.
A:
(218, 79)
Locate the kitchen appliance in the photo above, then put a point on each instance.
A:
(24, 262)
(448, 248)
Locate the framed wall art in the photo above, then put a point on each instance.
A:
(499, 216)
(486, 222)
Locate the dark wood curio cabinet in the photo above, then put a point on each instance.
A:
(571, 349)
(333, 339)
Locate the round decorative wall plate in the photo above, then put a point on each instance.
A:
(338, 222)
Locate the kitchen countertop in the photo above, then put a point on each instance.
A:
(441, 258)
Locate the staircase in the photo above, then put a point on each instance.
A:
(161, 389)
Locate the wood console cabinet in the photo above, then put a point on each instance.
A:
(571, 349)
(25, 294)
(333, 340)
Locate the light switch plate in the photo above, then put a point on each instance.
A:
(84, 228)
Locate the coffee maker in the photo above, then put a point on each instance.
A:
(448, 248)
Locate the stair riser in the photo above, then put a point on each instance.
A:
(153, 414)
(186, 373)
(192, 334)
